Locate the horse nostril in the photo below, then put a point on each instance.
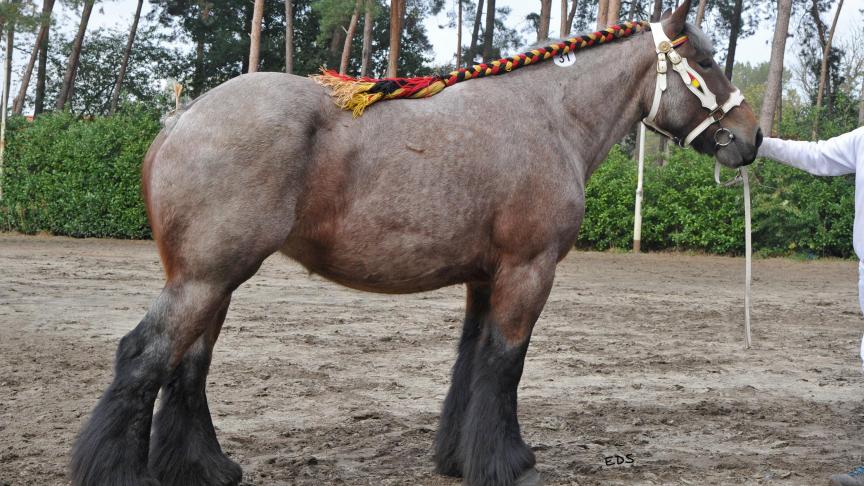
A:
(758, 137)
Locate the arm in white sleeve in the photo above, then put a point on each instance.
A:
(835, 156)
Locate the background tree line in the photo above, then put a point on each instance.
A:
(75, 171)
(202, 43)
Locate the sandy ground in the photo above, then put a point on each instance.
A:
(316, 384)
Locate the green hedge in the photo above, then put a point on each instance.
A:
(683, 209)
(77, 177)
(81, 178)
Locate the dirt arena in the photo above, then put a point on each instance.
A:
(315, 384)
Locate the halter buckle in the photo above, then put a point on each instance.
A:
(718, 114)
(662, 66)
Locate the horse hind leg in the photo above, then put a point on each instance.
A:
(448, 456)
(112, 447)
(184, 449)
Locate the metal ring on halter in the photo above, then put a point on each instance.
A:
(729, 137)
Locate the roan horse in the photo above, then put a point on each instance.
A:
(482, 184)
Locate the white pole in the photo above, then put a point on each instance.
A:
(748, 257)
(637, 217)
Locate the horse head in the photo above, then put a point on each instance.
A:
(693, 102)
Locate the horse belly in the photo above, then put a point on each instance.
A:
(379, 258)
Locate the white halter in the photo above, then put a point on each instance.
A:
(666, 54)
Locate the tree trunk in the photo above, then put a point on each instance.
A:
(349, 38)
(4, 97)
(571, 17)
(823, 72)
(368, 23)
(397, 13)
(255, 37)
(248, 13)
(41, 76)
(861, 107)
(458, 34)
(733, 38)
(632, 13)
(115, 96)
(700, 13)
(602, 13)
(658, 11)
(563, 30)
(72, 64)
(820, 28)
(475, 34)
(336, 42)
(773, 86)
(614, 13)
(289, 36)
(199, 76)
(545, 20)
(779, 113)
(45, 25)
(489, 31)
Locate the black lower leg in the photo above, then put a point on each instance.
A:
(112, 447)
(448, 458)
(184, 448)
(493, 448)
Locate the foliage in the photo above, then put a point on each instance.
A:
(505, 39)
(219, 29)
(25, 14)
(151, 62)
(683, 209)
(77, 177)
(796, 212)
(814, 34)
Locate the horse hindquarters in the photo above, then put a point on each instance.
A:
(216, 215)
(171, 348)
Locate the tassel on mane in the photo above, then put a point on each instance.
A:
(356, 94)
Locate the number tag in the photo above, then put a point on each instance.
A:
(565, 60)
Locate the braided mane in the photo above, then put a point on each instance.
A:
(356, 94)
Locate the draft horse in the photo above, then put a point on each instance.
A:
(482, 185)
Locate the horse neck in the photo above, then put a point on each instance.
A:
(599, 99)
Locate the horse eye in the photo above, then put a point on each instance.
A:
(707, 63)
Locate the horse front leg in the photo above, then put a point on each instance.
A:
(494, 453)
(448, 457)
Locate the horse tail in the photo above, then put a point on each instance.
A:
(170, 119)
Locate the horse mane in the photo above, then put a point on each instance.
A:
(357, 94)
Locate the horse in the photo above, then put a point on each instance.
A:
(482, 185)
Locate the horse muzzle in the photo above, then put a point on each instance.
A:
(733, 150)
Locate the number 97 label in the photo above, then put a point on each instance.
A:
(565, 60)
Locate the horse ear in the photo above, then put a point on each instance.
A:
(674, 24)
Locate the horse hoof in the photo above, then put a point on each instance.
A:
(529, 478)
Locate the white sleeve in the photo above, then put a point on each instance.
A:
(836, 156)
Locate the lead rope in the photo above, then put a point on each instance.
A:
(744, 177)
